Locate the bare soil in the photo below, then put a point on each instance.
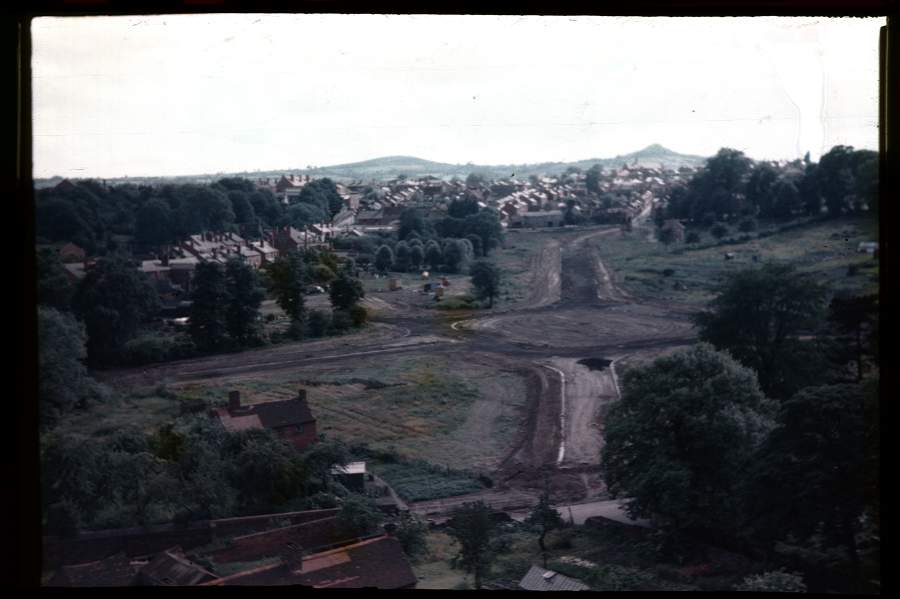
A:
(539, 418)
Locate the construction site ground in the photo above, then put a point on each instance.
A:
(516, 393)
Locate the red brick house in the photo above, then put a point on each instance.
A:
(290, 418)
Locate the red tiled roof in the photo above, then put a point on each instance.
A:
(378, 562)
(270, 414)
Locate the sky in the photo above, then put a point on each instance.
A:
(204, 94)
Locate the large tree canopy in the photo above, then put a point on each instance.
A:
(113, 299)
(680, 438)
(758, 315)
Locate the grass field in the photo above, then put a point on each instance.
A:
(420, 407)
(685, 274)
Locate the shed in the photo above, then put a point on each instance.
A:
(539, 579)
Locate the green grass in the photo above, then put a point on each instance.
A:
(825, 249)
(136, 411)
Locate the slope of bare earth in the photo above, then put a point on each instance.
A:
(587, 391)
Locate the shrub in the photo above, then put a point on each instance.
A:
(852, 270)
(692, 237)
(777, 581)
(340, 321)
(358, 315)
(318, 323)
(155, 348)
(668, 272)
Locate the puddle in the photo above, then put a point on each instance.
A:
(595, 363)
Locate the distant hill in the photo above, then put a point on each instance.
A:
(390, 167)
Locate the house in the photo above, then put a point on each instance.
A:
(289, 186)
(172, 568)
(376, 562)
(539, 579)
(290, 418)
(537, 218)
(114, 571)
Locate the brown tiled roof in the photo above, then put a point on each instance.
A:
(378, 562)
(270, 414)
(171, 568)
(288, 541)
(114, 571)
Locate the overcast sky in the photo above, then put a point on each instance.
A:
(193, 94)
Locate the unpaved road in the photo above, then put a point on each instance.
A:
(575, 311)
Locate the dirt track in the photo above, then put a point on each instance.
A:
(574, 311)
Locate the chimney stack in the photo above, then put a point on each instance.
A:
(301, 395)
(234, 401)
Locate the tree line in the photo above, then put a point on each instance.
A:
(96, 217)
(731, 187)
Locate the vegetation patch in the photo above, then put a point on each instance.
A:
(417, 480)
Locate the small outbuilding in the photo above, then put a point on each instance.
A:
(540, 579)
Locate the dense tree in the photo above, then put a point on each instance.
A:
(758, 315)
(64, 382)
(416, 256)
(463, 208)
(455, 255)
(209, 307)
(855, 316)
(412, 221)
(57, 219)
(203, 208)
(303, 214)
(760, 186)
(434, 257)
(113, 300)
(472, 527)
(285, 280)
(359, 515)
(671, 232)
(837, 179)
(486, 225)
(485, 280)
(384, 258)
(345, 292)
(546, 518)
(810, 190)
(401, 257)
(785, 200)
(266, 470)
(245, 295)
(322, 193)
(242, 208)
(54, 288)
(680, 438)
(266, 206)
(321, 458)
(809, 477)
(155, 223)
(411, 531)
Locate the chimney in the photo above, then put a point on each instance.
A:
(234, 401)
(301, 395)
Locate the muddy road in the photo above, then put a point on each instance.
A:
(565, 343)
